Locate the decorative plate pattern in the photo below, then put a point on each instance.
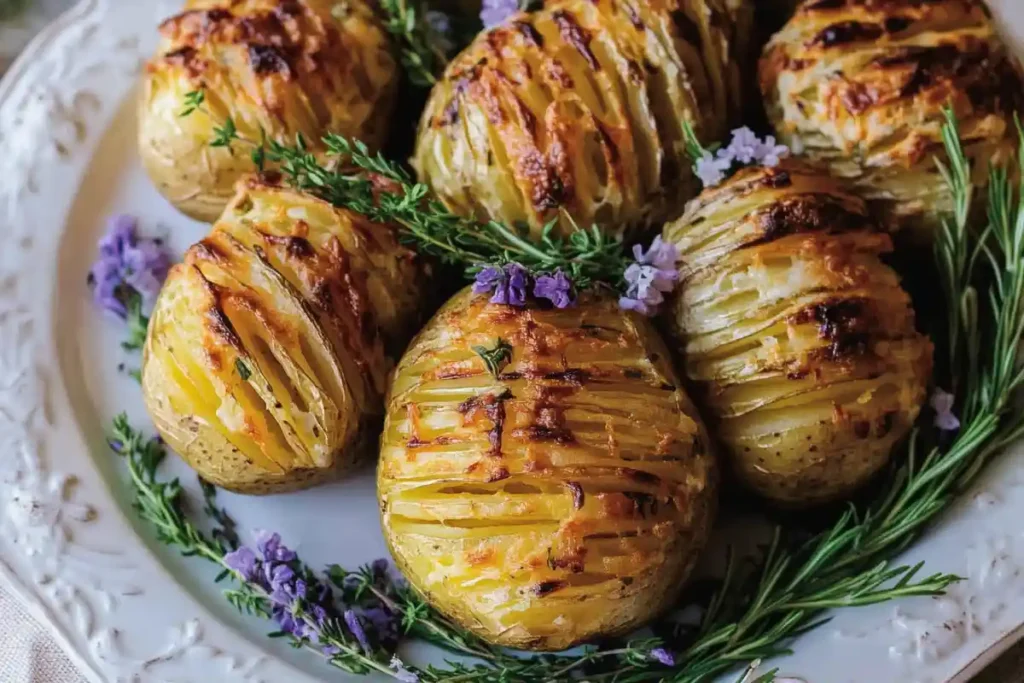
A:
(126, 613)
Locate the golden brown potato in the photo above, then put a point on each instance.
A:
(565, 499)
(860, 86)
(577, 111)
(801, 340)
(284, 67)
(269, 347)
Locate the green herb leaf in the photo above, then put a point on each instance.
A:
(243, 370)
(495, 358)
(193, 101)
(225, 135)
(136, 321)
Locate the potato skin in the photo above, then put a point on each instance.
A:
(565, 500)
(860, 86)
(576, 111)
(269, 348)
(800, 341)
(286, 67)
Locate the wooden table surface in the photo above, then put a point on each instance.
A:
(14, 34)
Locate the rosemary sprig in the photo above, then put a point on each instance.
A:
(162, 505)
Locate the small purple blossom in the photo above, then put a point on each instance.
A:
(556, 288)
(269, 545)
(745, 148)
(401, 673)
(942, 403)
(441, 26)
(652, 276)
(242, 561)
(356, 627)
(129, 271)
(508, 284)
(494, 12)
(663, 656)
(712, 169)
(771, 153)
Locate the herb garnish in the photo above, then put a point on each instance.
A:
(423, 42)
(495, 358)
(756, 613)
(243, 370)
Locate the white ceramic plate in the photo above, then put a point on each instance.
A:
(128, 609)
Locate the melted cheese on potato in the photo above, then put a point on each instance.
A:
(860, 87)
(268, 350)
(801, 340)
(576, 112)
(283, 67)
(565, 499)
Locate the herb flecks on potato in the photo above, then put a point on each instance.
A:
(860, 88)
(268, 67)
(543, 478)
(801, 340)
(268, 350)
(577, 110)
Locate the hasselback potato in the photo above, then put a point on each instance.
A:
(860, 87)
(269, 348)
(279, 66)
(577, 110)
(799, 339)
(563, 499)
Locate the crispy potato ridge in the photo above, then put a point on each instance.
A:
(576, 112)
(283, 67)
(801, 341)
(565, 499)
(860, 86)
(269, 348)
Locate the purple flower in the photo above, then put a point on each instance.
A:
(712, 169)
(745, 145)
(269, 545)
(745, 148)
(383, 622)
(508, 283)
(771, 153)
(942, 403)
(401, 673)
(652, 276)
(660, 654)
(354, 625)
(129, 271)
(288, 623)
(495, 12)
(243, 561)
(556, 288)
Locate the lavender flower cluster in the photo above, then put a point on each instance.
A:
(511, 283)
(130, 269)
(745, 149)
(650, 277)
(305, 607)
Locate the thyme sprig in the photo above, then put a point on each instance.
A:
(346, 174)
(422, 46)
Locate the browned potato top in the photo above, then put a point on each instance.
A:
(861, 84)
(799, 337)
(269, 348)
(281, 67)
(564, 499)
(577, 111)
